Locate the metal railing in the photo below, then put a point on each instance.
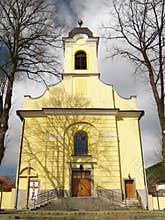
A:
(45, 197)
(116, 197)
(139, 198)
(113, 196)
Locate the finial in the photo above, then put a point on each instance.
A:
(80, 22)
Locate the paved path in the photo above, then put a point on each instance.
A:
(82, 215)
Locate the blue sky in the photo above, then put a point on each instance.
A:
(118, 73)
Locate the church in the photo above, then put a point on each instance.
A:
(80, 138)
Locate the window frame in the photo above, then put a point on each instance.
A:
(81, 146)
(80, 60)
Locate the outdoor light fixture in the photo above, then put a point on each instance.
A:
(81, 167)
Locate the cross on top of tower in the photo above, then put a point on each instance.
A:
(80, 22)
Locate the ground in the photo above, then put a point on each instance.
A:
(75, 215)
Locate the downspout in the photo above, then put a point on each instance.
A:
(118, 143)
(144, 173)
(19, 162)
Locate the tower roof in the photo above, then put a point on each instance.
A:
(80, 30)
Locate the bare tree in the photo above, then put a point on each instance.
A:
(30, 34)
(3, 76)
(139, 27)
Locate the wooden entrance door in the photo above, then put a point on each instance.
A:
(81, 183)
(129, 189)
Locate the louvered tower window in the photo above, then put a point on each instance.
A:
(80, 60)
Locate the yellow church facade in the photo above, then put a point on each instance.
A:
(80, 137)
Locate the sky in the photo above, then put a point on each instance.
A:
(118, 73)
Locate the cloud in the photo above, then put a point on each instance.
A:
(65, 14)
(91, 12)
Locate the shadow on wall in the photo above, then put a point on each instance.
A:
(48, 142)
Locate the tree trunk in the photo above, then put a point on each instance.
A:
(163, 149)
(2, 148)
(163, 141)
(159, 102)
(2, 134)
(4, 116)
(1, 105)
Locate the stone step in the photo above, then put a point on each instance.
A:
(81, 204)
(87, 215)
(132, 203)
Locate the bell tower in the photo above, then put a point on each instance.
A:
(80, 52)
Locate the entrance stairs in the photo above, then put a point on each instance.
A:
(133, 203)
(104, 200)
(82, 204)
(88, 204)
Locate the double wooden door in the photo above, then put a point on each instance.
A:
(81, 183)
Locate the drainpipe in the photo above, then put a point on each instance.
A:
(118, 145)
(19, 164)
(144, 173)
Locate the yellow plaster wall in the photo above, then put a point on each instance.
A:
(51, 161)
(154, 201)
(36, 149)
(47, 151)
(130, 150)
(124, 104)
(96, 93)
(72, 47)
(107, 172)
(89, 90)
(150, 202)
(161, 203)
(8, 199)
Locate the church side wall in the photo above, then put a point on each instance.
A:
(131, 155)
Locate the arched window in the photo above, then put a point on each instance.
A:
(80, 143)
(80, 60)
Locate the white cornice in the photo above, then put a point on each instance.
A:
(80, 111)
